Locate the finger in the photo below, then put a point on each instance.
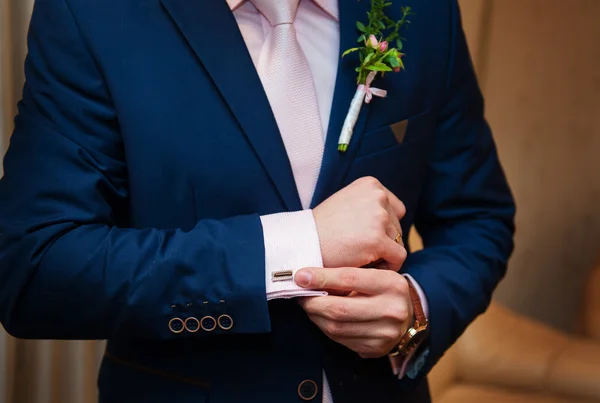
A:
(393, 254)
(364, 281)
(343, 309)
(366, 347)
(348, 331)
(397, 206)
(393, 228)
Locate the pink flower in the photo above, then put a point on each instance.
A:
(372, 42)
(397, 69)
(383, 46)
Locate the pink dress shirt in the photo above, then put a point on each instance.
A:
(291, 239)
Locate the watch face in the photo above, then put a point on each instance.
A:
(417, 338)
(412, 340)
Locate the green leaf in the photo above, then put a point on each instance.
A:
(381, 24)
(361, 38)
(399, 44)
(379, 67)
(369, 57)
(350, 51)
(361, 27)
(393, 61)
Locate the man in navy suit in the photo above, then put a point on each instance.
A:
(174, 185)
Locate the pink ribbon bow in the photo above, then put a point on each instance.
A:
(370, 91)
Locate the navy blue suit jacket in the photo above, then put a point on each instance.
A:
(144, 152)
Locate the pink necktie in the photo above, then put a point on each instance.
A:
(289, 85)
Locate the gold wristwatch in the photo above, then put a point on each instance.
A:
(415, 334)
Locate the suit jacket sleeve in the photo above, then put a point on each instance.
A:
(466, 212)
(66, 269)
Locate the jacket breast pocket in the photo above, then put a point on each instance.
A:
(397, 134)
(397, 156)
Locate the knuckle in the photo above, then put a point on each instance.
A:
(307, 305)
(334, 329)
(398, 284)
(372, 352)
(366, 354)
(390, 336)
(348, 279)
(338, 311)
(396, 314)
(402, 209)
(381, 216)
(380, 348)
(380, 248)
(393, 266)
(320, 280)
(397, 258)
(403, 254)
(371, 257)
(380, 196)
(371, 181)
(372, 252)
(383, 350)
(365, 350)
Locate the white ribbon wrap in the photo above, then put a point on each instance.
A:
(365, 93)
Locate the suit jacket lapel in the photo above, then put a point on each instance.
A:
(335, 164)
(205, 26)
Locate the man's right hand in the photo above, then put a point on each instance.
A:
(358, 224)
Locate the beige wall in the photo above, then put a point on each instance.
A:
(538, 63)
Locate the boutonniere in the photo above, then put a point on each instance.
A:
(376, 56)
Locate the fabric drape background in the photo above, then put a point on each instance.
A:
(35, 371)
(542, 87)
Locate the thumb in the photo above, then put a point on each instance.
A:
(304, 277)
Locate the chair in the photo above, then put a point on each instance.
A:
(509, 358)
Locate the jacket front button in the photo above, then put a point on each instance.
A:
(308, 389)
(176, 325)
(208, 323)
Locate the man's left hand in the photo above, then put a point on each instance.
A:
(373, 315)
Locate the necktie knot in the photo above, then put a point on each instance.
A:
(277, 12)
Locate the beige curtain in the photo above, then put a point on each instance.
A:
(35, 371)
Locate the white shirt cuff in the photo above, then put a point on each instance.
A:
(291, 243)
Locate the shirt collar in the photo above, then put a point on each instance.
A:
(329, 6)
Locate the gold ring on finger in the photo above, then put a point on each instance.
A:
(398, 238)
